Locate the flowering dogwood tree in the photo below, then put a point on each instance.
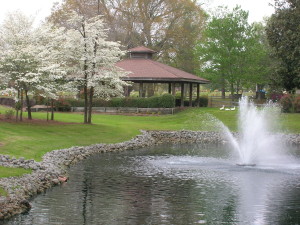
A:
(92, 59)
(29, 60)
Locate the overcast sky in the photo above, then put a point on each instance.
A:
(258, 9)
(42, 8)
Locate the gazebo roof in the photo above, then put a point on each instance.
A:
(141, 49)
(145, 69)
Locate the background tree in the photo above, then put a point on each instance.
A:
(28, 62)
(171, 27)
(283, 32)
(223, 51)
(52, 64)
(232, 52)
(263, 63)
(18, 66)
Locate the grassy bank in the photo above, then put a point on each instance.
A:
(9, 172)
(33, 140)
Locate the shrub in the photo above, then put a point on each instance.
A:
(164, 101)
(62, 105)
(18, 105)
(167, 101)
(287, 103)
(203, 101)
(275, 97)
(297, 104)
(9, 114)
(153, 102)
(75, 102)
(141, 102)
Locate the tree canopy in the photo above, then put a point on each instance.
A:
(230, 51)
(28, 59)
(91, 59)
(170, 27)
(283, 32)
(35, 61)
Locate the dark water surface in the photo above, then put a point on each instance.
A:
(170, 184)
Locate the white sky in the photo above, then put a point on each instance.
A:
(42, 8)
(39, 9)
(258, 9)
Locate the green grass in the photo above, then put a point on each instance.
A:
(11, 172)
(34, 140)
(3, 192)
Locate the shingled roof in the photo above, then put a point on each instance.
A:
(141, 49)
(148, 70)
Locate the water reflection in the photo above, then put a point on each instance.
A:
(170, 184)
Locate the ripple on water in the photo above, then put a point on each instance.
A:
(169, 185)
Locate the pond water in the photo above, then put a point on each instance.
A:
(170, 184)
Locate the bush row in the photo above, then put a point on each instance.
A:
(164, 101)
(290, 103)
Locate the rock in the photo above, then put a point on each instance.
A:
(62, 179)
(25, 204)
(55, 181)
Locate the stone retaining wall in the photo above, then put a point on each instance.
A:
(55, 163)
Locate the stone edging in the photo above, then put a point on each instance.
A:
(55, 163)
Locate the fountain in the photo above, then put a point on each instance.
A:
(257, 144)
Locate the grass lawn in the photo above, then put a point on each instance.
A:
(10, 172)
(32, 141)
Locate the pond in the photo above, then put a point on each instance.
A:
(170, 184)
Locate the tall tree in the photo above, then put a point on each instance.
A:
(263, 64)
(28, 63)
(91, 58)
(283, 32)
(227, 52)
(169, 26)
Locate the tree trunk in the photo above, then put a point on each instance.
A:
(17, 106)
(85, 92)
(223, 88)
(28, 105)
(21, 106)
(52, 109)
(90, 105)
(232, 90)
(85, 86)
(47, 109)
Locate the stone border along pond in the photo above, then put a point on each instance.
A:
(47, 173)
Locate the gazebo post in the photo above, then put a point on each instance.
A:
(191, 95)
(126, 91)
(173, 89)
(170, 88)
(141, 90)
(198, 95)
(182, 95)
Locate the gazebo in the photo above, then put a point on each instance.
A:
(145, 70)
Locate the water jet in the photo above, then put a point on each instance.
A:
(256, 141)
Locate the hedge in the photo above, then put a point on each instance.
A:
(290, 103)
(164, 101)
